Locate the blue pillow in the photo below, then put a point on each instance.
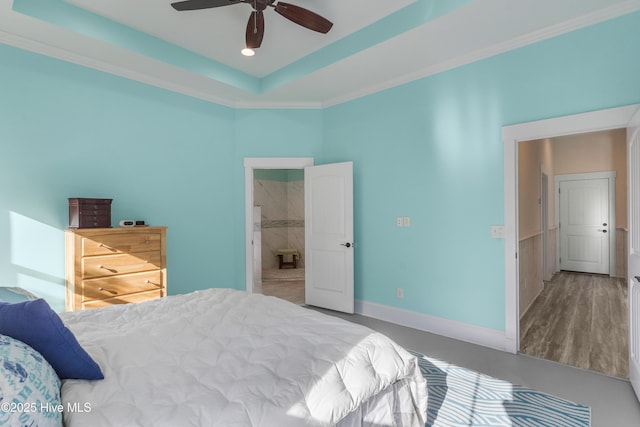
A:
(34, 323)
(29, 387)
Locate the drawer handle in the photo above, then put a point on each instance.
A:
(150, 282)
(112, 292)
(147, 241)
(113, 270)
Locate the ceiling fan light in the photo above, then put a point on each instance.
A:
(247, 51)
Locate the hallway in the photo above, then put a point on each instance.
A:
(580, 319)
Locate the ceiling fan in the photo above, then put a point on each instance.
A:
(255, 26)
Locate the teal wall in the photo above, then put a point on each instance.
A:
(430, 150)
(68, 131)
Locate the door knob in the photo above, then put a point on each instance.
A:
(346, 244)
(604, 224)
(604, 231)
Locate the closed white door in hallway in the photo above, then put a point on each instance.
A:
(584, 225)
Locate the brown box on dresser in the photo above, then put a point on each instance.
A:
(106, 266)
(89, 213)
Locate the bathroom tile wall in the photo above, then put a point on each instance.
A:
(282, 217)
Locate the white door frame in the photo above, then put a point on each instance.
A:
(611, 178)
(544, 220)
(613, 118)
(251, 163)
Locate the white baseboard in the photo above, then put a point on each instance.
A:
(449, 328)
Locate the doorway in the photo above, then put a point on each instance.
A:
(328, 227)
(279, 247)
(573, 231)
(254, 277)
(512, 136)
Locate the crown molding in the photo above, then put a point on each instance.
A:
(278, 105)
(584, 21)
(66, 55)
(235, 101)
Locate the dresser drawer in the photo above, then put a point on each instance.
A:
(119, 286)
(93, 221)
(94, 210)
(109, 265)
(121, 243)
(116, 265)
(125, 299)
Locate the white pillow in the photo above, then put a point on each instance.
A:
(29, 387)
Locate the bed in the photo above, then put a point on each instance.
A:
(221, 357)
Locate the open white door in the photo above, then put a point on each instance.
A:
(328, 215)
(633, 153)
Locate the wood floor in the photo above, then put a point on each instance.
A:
(580, 319)
(287, 284)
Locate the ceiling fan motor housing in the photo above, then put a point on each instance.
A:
(255, 26)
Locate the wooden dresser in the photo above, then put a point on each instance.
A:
(106, 266)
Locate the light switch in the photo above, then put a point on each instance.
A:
(497, 231)
(406, 221)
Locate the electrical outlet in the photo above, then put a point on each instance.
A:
(399, 221)
(400, 293)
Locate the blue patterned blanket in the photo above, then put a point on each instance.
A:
(462, 397)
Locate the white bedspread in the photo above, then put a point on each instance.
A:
(221, 357)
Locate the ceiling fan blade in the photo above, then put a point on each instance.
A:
(304, 17)
(255, 29)
(202, 4)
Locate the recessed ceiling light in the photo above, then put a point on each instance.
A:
(248, 51)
